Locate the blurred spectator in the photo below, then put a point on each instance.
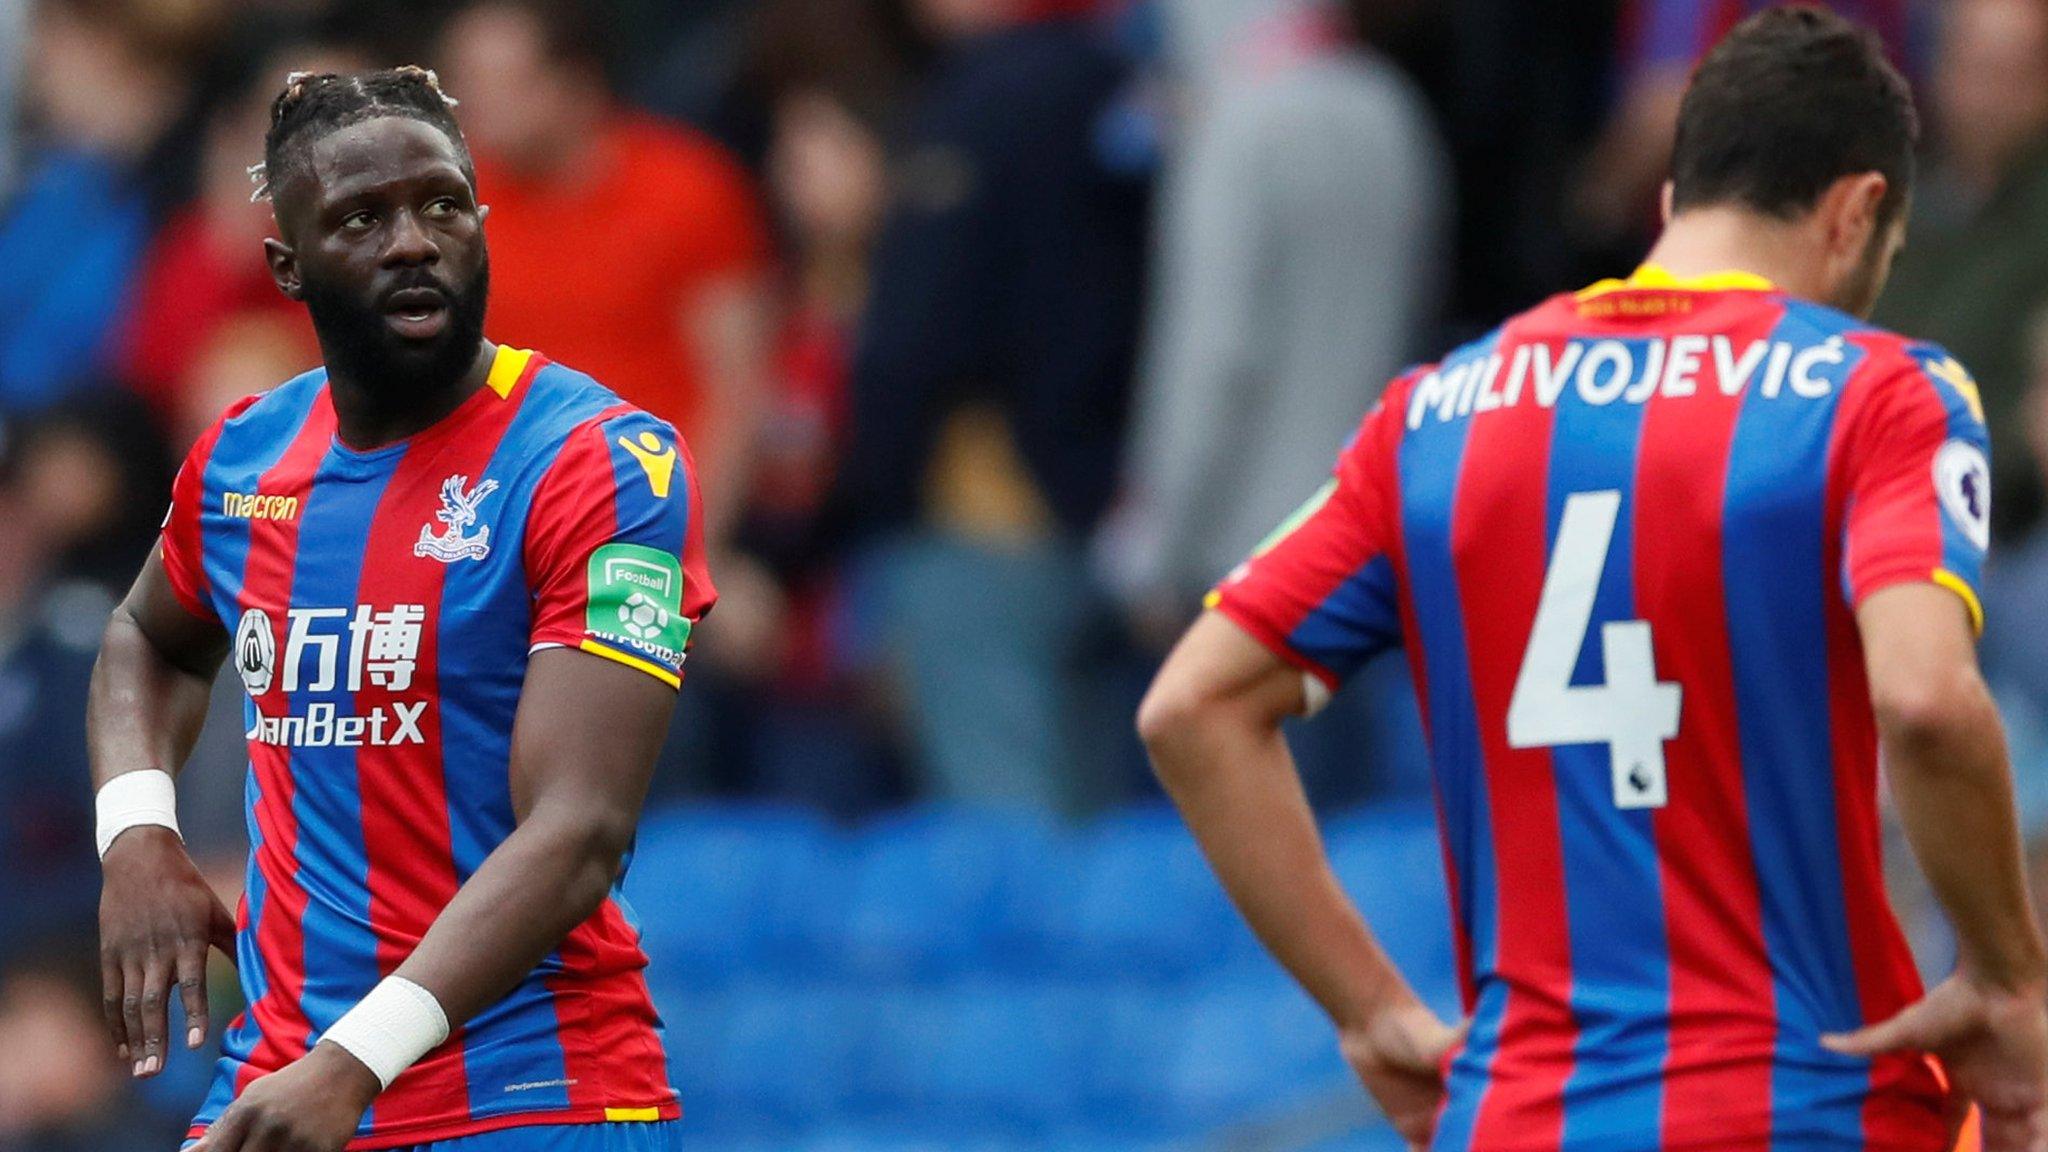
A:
(1299, 255)
(1976, 266)
(622, 246)
(60, 1087)
(95, 474)
(108, 81)
(2016, 607)
(783, 704)
(990, 387)
(1613, 202)
(48, 635)
(206, 267)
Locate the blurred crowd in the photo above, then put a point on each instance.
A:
(1000, 329)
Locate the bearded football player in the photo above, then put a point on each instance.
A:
(457, 582)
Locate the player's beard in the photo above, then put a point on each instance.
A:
(358, 344)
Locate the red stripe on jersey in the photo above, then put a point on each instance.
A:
(1498, 530)
(610, 1051)
(612, 1054)
(404, 790)
(280, 1014)
(553, 523)
(1723, 1029)
(579, 1017)
(1904, 1109)
(182, 548)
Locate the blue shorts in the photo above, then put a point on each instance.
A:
(659, 1136)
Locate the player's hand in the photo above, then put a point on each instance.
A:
(313, 1105)
(1994, 1045)
(1399, 1055)
(157, 918)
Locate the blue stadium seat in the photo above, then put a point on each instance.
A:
(1390, 860)
(1145, 903)
(716, 888)
(785, 1052)
(927, 892)
(975, 1055)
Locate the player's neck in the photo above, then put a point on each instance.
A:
(368, 419)
(1703, 241)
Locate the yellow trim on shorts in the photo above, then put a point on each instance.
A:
(632, 1115)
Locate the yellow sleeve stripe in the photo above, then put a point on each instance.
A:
(1961, 587)
(506, 368)
(632, 1115)
(655, 670)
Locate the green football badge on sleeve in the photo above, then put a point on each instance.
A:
(636, 601)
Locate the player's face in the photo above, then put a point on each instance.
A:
(386, 243)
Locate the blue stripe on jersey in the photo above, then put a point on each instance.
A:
(1345, 630)
(1774, 520)
(1614, 903)
(257, 893)
(251, 445)
(525, 1044)
(327, 804)
(1431, 458)
(642, 517)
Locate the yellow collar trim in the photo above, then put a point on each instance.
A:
(506, 368)
(1653, 276)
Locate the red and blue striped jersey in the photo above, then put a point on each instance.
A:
(1622, 539)
(382, 606)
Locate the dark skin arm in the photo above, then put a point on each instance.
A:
(583, 751)
(157, 915)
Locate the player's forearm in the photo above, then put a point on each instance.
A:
(142, 711)
(1235, 783)
(549, 876)
(1949, 774)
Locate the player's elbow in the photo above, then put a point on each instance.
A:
(1927, 713)
(589, 847)
(1170, 710)
(1181, 715)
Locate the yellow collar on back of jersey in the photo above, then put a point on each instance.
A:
(1654, 276)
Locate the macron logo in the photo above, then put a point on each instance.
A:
(257, 506)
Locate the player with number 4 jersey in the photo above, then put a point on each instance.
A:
(1670, 558)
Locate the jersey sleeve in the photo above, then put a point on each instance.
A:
(1919, 484)
(181, 543)
(614, 548)
(1320, 591)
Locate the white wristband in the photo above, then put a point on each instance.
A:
(391, 1028)
(132, 800)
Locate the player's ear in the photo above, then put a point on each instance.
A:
(284, 267)
(1664, 202)
(1852, 209)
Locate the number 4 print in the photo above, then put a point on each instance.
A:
(1633, 713)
